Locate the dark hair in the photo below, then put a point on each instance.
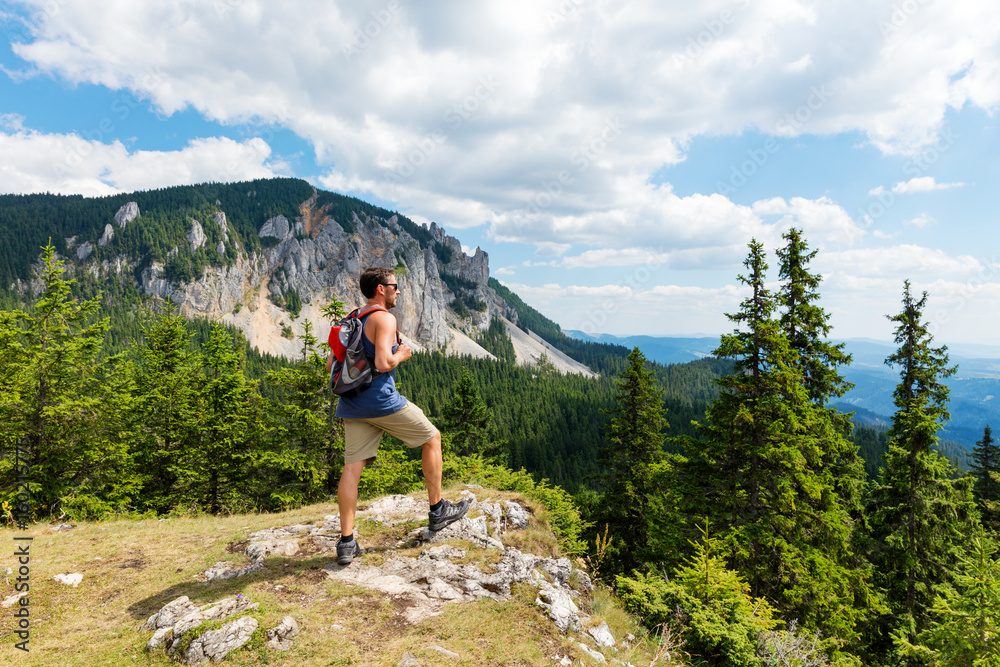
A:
(371, 278)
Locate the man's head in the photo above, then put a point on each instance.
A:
(378, 280)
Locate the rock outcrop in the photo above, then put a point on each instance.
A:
(445, 301)
(126, 214)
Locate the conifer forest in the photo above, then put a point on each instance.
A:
(724, 501)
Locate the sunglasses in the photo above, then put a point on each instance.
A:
(392, 285)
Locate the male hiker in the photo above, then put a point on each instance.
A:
(381, 408)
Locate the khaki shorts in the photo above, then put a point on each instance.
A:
(362, 436)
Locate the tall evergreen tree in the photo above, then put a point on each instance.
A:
(305, 443)
(167, 407)
(229, 426)
(469, 423)
(759, 474)
(919, 514)
(985, 468)
(55, 400)
(633, 450)
(806, 325)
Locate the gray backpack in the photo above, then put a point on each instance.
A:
(353, 370)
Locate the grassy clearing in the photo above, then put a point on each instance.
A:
(132, 568)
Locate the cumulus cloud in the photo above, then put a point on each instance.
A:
(476, 113)
(922, 220)
(71, 164)
(898, 262)
(921, 184)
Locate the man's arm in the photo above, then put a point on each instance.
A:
(385, 338)
(329, 361)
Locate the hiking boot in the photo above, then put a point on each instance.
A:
(347, 552)
(447, 514)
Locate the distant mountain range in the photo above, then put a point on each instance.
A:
(975, 388)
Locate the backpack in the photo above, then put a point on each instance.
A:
(353, 370)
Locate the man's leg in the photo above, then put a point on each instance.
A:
(347, 494)
(431, 462)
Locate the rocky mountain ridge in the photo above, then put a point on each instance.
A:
(272, 285)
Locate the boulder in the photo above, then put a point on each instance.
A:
(602, 635)
(280, 636)
(215, 645)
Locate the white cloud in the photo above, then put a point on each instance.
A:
(503, 271)
(920, 184)
(470, 112)
(895, 262)
(922, 220)
(70, 164)
(624, 310)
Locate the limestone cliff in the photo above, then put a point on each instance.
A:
(445, 298)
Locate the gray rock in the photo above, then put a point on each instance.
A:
(280, 636)
(159, 638)
(277, 227)
(84, 250)
(127, 214)
(109, 233)
(218, 611)
(196, 237)
(221, 249)
(215, 645)
(69, 579)
(220, 220)
(560, 607)
(517, 517)
(170, 613)
(223, 570)
(408, 660)
(602, 635)
(445, 652)
(593, 654)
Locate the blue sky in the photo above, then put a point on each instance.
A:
(613, 159)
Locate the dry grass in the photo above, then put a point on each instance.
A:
(132, 568)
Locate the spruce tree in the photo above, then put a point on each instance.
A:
(229, 427)
(469, 422)
(985, 468)
(305, 445)
(806, 324)
(964, 629)
(919, 514)
(759, 474)
(633, 450)
(167, 408)
(58, 405)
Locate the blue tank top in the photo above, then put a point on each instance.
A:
(380, 399)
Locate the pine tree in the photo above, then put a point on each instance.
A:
(304, 443)
(761, 478)
(919, 514)
(806, 324)
(985, 468)
(469, 422)
(633, 451)
(56, 400)
(964, 630)
(229, 424)
(167, 408)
